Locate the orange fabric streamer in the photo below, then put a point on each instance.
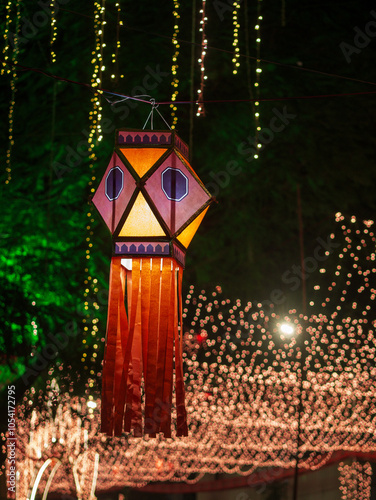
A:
(141, 347)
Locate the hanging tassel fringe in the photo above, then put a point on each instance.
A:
(144, 338)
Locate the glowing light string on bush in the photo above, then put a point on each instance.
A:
(98, 65)
(7, 36)
(53, 121)
(13, 81)
(258, 73)
(53, 31)
(201, 61)
(115, 54)
(34, 340)
(355, 480)
(91, 286)
(242, 378)
(249, 73)
(235, 43)
(174, 67)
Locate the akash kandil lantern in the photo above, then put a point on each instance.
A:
(153, 203)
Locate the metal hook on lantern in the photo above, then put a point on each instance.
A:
(154, 106)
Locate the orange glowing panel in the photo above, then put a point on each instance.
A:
(185, 237)
(141, 221)
(142, 159)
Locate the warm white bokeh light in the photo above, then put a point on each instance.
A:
(287, 329)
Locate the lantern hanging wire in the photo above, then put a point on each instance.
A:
(154, 106)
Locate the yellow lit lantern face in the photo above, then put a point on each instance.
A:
(141, 221)
(151, 193)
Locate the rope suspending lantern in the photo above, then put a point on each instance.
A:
(154, 106)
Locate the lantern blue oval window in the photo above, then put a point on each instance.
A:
(174, 184)
(114, 183)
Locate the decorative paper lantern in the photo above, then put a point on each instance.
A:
(153, 203)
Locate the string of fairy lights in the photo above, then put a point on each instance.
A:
(34, 326)
(6, 50)
(53, 31)
(201, 61)
(355, 480)
(235, 43)
(90, 320)
(91, 283)
(258, 75)
(175, 66)
(13, 77)
(115, 54)
(349, 269)
(258, 70)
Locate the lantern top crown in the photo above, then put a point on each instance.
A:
(151, 138)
